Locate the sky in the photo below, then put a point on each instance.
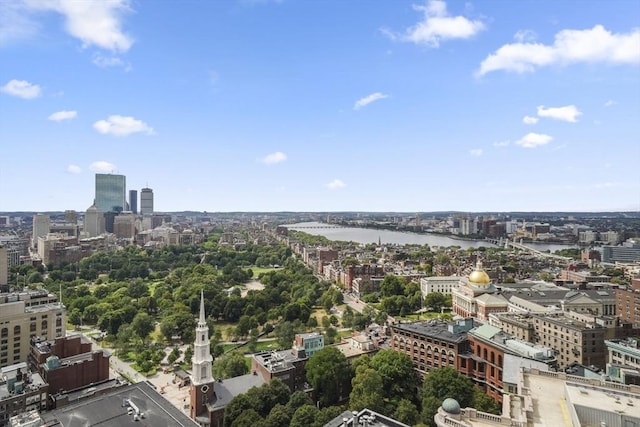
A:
(332, 105)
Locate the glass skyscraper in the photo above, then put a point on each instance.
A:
(111, 192)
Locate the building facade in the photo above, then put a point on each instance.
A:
(433, 344)
(26, 315)
(146, 201)
(133, 201)
(110, 193)
(93, 222)
(41, 227)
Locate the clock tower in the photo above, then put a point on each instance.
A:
(202, 382)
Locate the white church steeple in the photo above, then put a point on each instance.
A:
(202, 360)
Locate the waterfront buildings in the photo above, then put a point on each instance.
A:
(629, 251)
(110, 195)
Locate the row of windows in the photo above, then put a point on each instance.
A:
(4, 332)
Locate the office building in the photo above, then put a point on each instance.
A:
(146, 201)
(25, 315)
(110, 192)
(4, 268)
(124, 226)
(133, 201)
(629, 251)
(41, 227)
(93, 222)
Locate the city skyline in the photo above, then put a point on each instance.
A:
(260, 105)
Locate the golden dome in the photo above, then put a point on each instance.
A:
(479, 276)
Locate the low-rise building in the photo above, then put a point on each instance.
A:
(69, 363)
(20, 391)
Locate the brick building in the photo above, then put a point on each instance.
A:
(433, 344)
(68, 363)
(628, 303)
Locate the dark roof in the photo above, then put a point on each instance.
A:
(225, 390)
(433, 329)
(108, 409)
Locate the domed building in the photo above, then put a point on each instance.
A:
(476, 296)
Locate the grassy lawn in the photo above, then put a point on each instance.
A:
(258, 270)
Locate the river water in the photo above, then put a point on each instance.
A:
(369, 235)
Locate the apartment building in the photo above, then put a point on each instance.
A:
(25, 315)
(434, 344)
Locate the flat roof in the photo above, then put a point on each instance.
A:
(438, 330)
(108, 409)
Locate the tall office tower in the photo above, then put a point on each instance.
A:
(133, 201)
(70, 217)
(110, 192)
(146, 201)
(4, 268)
(94, 222)
(41, 227)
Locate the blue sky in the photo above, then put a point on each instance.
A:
(333, 105)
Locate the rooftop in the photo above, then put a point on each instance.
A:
(432, 328)
(110, 409)
(225, 390)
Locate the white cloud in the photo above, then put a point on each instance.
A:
(95, 23)
(570, 46)
(15, 23)
(108, 61)
(610, 103)
(273, 158)
(528, 120)
(501, 144)
(102, 166)
(363, 102)
(525, 36)
(336, 184)
(568, 113)
(122, 126)
(476, 152)
(437, 25)
(74, 169)
(63, 115)
(21, 89)
(533, 140)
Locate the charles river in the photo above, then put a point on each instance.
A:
(370, 235)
